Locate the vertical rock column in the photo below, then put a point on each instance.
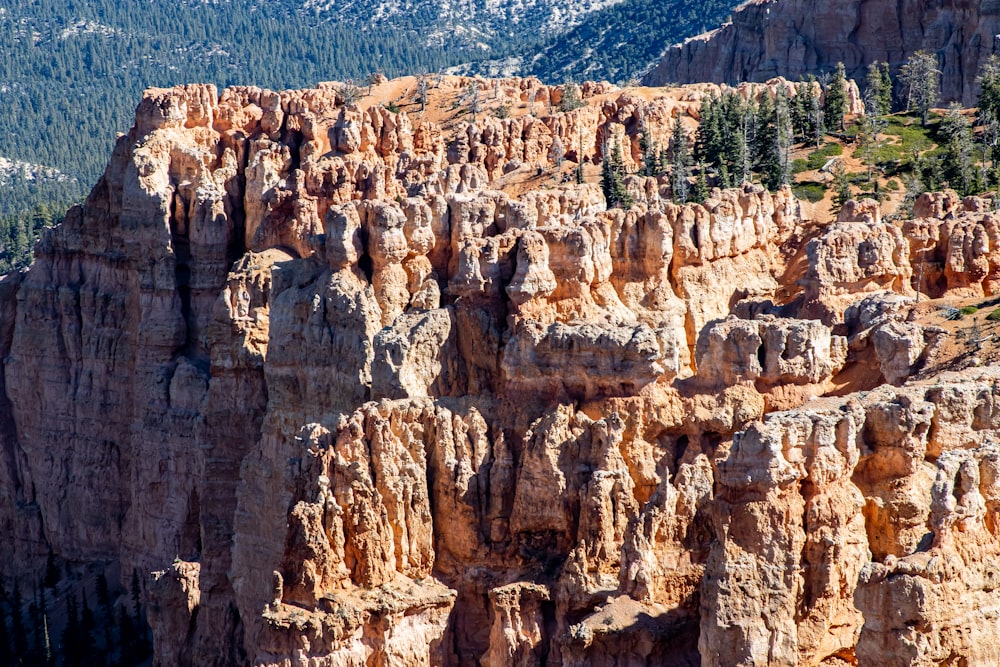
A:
(790, 542)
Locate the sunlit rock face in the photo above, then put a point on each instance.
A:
(346, 386)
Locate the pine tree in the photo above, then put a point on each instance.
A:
(959, 167)
(557, 153)
(680, 150)
(473, 98)
(786, 135)
(920, 79)
(422, 85)
(835, 103)
(613, 178)
(801, 111)
(841, 186)
(571, 97)
(45, 643)
(766, 160)
(651, 153)
(136, 592)
(87, 626)
(746, 140)
(816, 111)
(989, 87)
(885, 97)
(71, 633)
(700, 192)
(874, 93)
(868, 141)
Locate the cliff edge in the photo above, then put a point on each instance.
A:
(792, 38)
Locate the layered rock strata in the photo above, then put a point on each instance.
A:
(342, 390)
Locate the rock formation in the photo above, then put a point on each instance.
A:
(792, 38)
(347, 387)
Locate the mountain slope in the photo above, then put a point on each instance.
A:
(621, 42)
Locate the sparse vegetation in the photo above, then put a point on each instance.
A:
(817, 158)
(810, 191)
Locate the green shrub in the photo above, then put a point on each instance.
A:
(969, 310)
(994, 316)
(811, 191)
(892, 185)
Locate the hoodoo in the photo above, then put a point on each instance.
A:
(374, 380)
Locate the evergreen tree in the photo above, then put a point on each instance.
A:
(816, 111)
(680, 150)
(885, 94)
(989, 144)
(71, 646)
(87, 626)
(700, 192)
(613, 178)
(747, 139)
(766, 158)
(807, 124)
(920, 79)
(841, 186)
(835, 102)
(557, 153)
(725, 135)
(104, 604)
(136, 591)
(474, 99)
(989, 87)
(651, 153)
(571, 97)
(959, 166)
(126, 637)
(786, 135)
(878, 90)
(868, 141)
(422, 86)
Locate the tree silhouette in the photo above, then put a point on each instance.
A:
(920, 79)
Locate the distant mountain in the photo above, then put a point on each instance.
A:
(492, 24)
(621, 42)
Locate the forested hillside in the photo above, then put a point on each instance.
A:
(621, 42)
(72, 71)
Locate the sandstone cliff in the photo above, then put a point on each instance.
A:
(792, 38)
(352, 387)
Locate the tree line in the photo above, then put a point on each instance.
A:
(51, 627)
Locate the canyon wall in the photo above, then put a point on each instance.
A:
(793, 38)
(349, 387)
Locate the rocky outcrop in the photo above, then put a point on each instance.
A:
(343, 387)
(852, 259)
(792, 38)
(931, 601)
